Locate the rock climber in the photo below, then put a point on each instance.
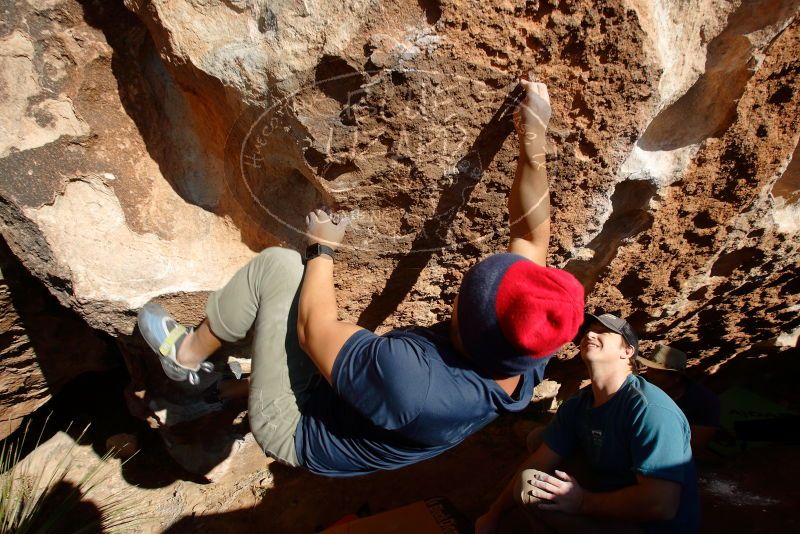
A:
(340, 400)
(622, 446)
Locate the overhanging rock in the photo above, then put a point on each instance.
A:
(153, 154)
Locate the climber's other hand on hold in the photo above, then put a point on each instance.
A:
(320, 228)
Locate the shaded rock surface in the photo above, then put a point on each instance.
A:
(735, 495)
(153, 508)
(42, 345)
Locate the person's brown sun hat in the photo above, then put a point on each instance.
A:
(665, 358)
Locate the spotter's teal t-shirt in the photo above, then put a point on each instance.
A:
(639, 430)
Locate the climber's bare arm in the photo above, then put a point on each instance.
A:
(529, 201)
(319, 330)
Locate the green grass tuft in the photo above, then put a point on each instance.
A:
(29, 504)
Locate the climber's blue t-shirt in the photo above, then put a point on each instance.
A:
(397, 399)
(640, 430)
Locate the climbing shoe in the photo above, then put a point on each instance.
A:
(165, 335)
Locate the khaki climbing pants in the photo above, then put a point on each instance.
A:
(264, 295)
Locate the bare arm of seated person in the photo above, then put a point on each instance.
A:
(650, 499)
(319, 330)
(544, 459)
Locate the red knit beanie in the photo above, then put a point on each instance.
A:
(512, 311)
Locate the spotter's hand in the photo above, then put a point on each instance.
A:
(561, 492)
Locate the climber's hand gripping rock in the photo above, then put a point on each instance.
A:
(320, 228)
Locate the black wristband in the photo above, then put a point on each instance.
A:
(317, 249)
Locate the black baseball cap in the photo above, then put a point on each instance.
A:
(615, 324)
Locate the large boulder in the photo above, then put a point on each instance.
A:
(151, 152)
(675, 201)
(87, 111)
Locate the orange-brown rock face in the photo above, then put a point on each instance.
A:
(153, 154)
